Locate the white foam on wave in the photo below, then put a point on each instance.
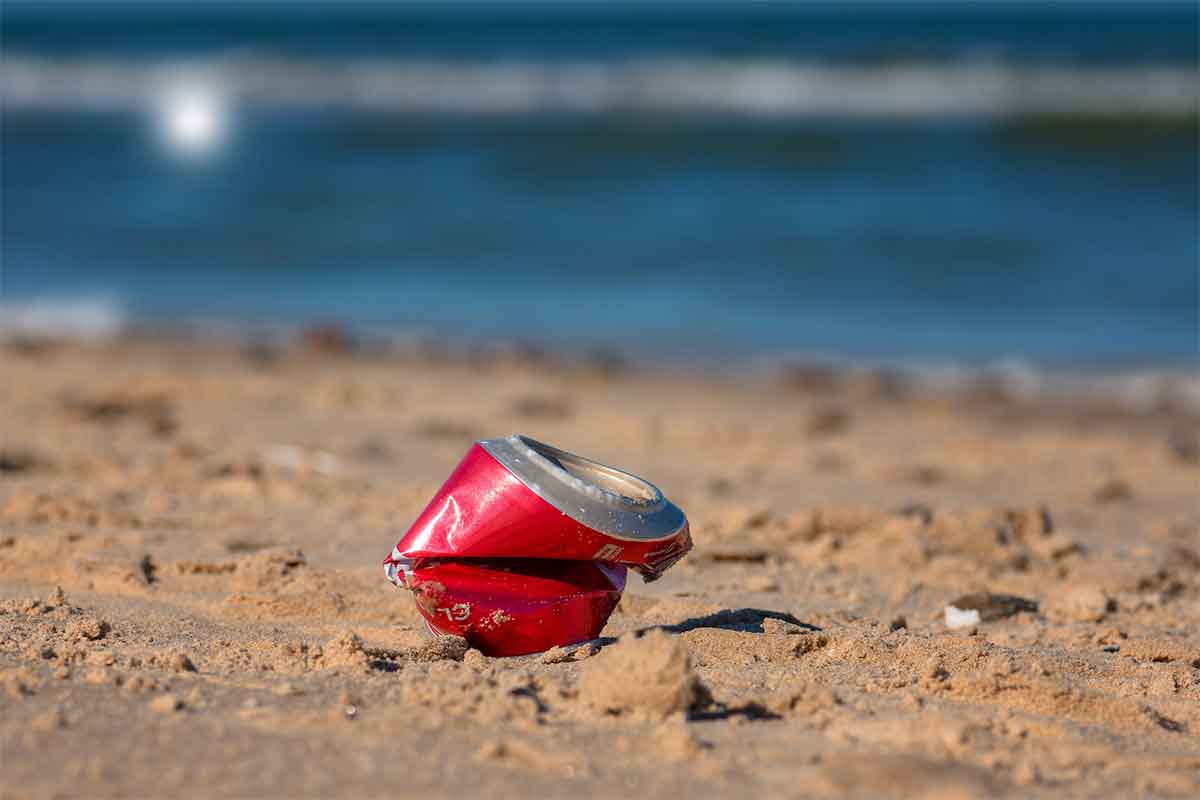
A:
(1134, 390)
(741, 87)
(87, 318)
(1137, 390)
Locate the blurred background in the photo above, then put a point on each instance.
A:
(885, 183)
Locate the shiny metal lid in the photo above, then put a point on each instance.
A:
(601, 497)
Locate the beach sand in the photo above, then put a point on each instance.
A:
(192, 602)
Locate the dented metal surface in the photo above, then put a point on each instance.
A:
(526, 546)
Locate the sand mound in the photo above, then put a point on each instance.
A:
(651, 675)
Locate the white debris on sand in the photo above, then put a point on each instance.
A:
(961, 618)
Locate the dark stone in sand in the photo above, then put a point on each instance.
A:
(828, 421)
(18, 461)
(1184, 557)
(542, 407)
(918, 510)
(1184, 444)
(154, 410)
(373, 450)
(735, 554)
(1114, 491)
(922, 474)
(720, 487)
(1166, 723)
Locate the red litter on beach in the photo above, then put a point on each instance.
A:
(526, 546)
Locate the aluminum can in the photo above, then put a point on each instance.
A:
(526, 546)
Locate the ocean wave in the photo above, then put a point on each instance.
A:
(87, 318)
(746, 88)
(1134, 390)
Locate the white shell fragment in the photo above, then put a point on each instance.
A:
(961, 618)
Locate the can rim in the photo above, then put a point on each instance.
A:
(607, 499)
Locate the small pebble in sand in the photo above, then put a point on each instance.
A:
(140, 683)
(49, 721)
(166, 704)
(1114, 491)
(556, 655)
(651, 676)
(720, 487)
(1055, 546)
(561, 655)
(349, 704)
(181, 663)
(1081, 603)
(88, 628)
(735, 554)
(828, 422)
(773, 625)
(491, 750)
(20, 460)
(102, 658)
(443, 648)
(57, 598)
(585, 650)
(1166, 723)
(1184, 444)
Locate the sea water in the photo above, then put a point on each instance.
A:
(889, 182)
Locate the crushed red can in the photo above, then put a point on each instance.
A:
(526, 546)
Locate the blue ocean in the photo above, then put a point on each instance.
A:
(883, 183)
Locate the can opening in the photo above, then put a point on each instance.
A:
(596, 479)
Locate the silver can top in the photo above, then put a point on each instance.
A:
(603, 498)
